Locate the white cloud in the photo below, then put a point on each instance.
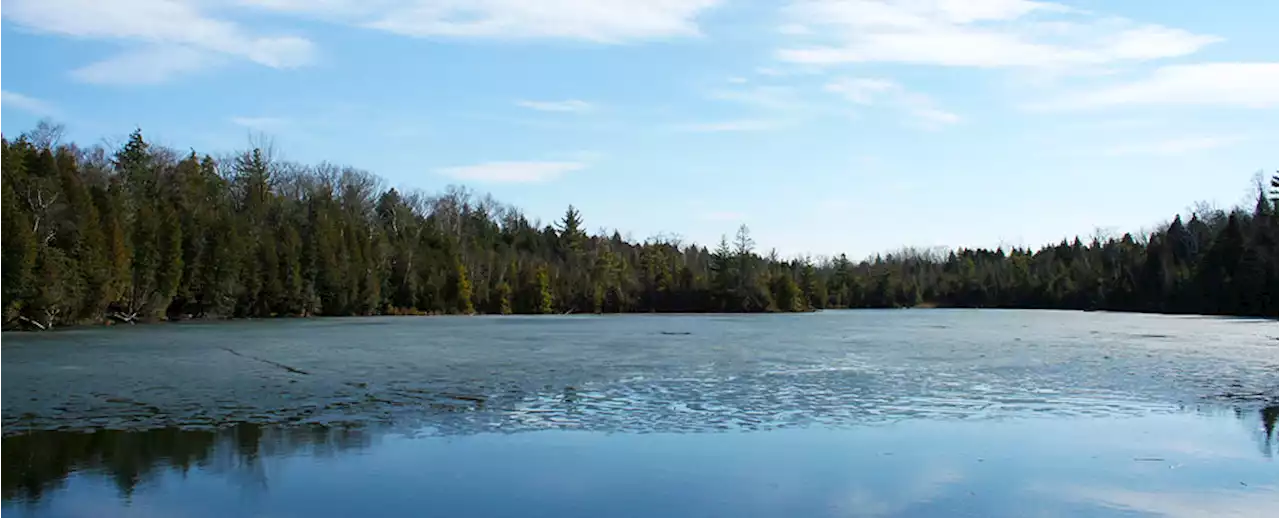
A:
(571, 105)
(265, 123)
(1249, 85)
(150, 28)
(987, 33)
(737, 80)
(790, 70)
(512, 172)
(312, 7)
(32, 105)
(149, 65)
(603, 21)
(765, 97)
(1173, 147)
(728, 126)
(873, 91)
(159, 26)
(794, 29)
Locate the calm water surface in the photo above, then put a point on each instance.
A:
(840, 413)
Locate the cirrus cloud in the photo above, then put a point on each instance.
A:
(1247, 85)
(982, 34)
(601, 21)
(569, 105)
(730, 126)
(512, 172)
(869, 91)
(171, 37)
(26, 103)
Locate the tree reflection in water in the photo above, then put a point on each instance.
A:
(38, 462)
(1269, 419)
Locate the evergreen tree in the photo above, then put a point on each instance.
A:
(462, 288)
(503, 296)
(150, 233)
(542, 287)
(19, 243)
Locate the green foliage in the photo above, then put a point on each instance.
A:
(786, 294)
(503, 295)
(542, 287)
(462, 289)
(148, 233)
(17, 246)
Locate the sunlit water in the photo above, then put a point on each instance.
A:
(868, 413)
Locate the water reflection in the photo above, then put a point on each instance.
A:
(990, 468)
(1269, 419)
(36, 463)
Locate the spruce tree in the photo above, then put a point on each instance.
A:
(19, 244)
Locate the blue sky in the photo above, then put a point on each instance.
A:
(827, 126)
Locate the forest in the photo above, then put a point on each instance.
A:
(140, 233)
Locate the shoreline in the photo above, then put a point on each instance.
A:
(925, 307)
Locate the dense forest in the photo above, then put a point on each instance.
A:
(143, 232)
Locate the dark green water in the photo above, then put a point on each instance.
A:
(871, 413)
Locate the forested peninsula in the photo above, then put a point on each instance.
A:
(140, 233)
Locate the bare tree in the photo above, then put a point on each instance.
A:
(46, 134)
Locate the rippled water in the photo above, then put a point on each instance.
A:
(840, 413)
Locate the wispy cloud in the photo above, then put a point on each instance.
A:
(1247, 85)
(512, 172)
(603, 21)
(1006, 33)
(730, 126)
(1174, 146)
(872, 91)
(166, 30)
(25, 103)
(151, 65)
(765, 97)
(569, 105)
(261, 123)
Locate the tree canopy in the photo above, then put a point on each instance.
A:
(144, 232)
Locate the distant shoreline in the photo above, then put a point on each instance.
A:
(156, 322)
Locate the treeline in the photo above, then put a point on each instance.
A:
(143, 232)
(1216, 263)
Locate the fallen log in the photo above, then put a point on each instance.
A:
(38, 325)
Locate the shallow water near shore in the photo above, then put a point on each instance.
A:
(839, 413)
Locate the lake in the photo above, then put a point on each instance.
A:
(836, 413)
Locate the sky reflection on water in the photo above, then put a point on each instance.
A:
(1202, 462)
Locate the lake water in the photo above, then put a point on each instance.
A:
(838, 413)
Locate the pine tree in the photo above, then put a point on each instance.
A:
(724, 278)
(118, 257)
(19, 244)
(151, 231)
(462, 288)
(786, 294)
(814, 292)
(503, 296)
(542, 287)
(169, 260)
